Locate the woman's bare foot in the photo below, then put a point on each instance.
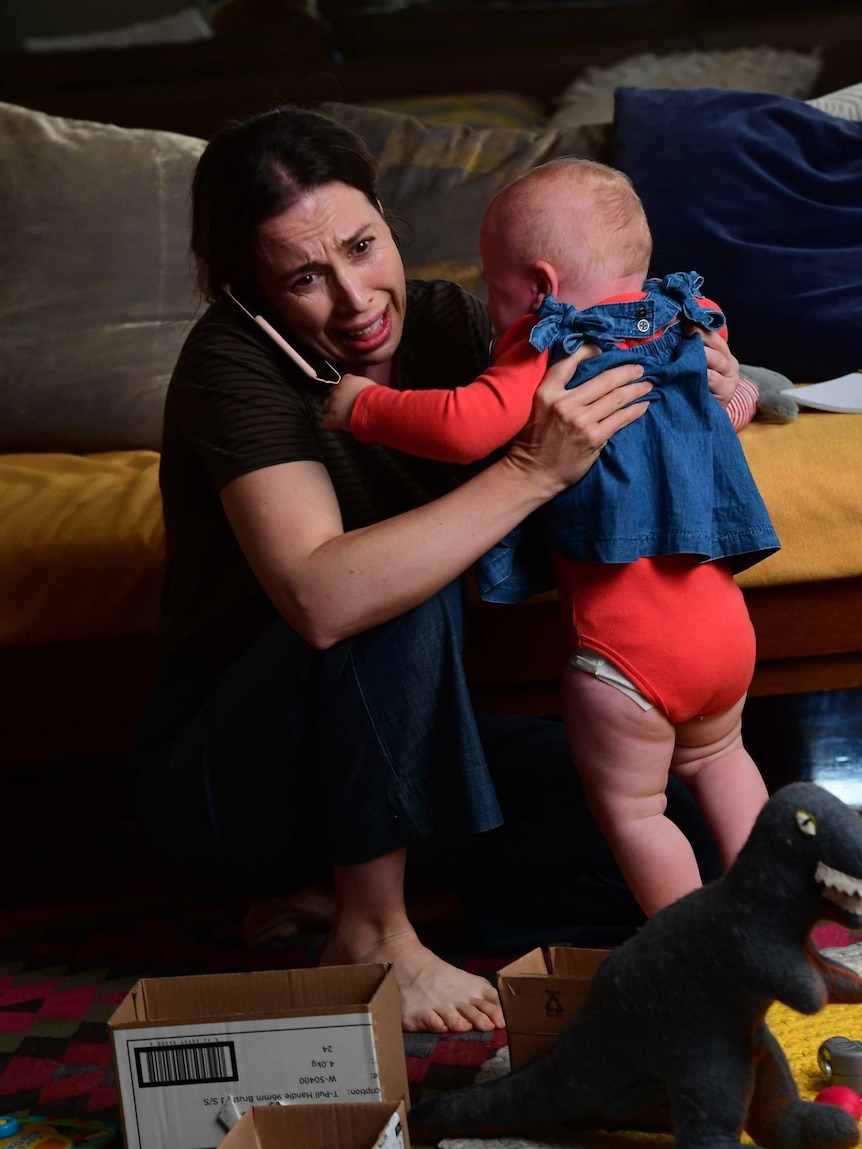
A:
(271, 920)
(436, 997)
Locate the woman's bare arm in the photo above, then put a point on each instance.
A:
(329, 584)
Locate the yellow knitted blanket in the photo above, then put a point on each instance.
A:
(800, 1037)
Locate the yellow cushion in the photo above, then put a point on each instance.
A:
(478, 109)
(82, 540)
(81, 546)
(800, 1037)
(809, 472)
(466, 273)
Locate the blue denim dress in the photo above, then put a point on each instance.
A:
(675, 481)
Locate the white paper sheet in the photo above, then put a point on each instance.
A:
(841, 394)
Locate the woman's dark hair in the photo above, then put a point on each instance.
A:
(255, 169)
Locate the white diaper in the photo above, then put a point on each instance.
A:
(596, 664)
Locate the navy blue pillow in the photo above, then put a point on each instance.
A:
(762, 195)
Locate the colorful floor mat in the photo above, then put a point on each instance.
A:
(63, 970)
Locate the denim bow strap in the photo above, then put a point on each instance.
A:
(682, 287)
(575, 327)
(563, 327)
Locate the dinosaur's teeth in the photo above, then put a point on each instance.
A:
(841, 889)
(853, 905)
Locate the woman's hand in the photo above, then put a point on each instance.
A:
(567, 430)
(722, 366)
(341, 399)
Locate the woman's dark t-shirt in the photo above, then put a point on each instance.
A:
(235, 404)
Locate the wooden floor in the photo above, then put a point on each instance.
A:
(833, 752)
(812, 737)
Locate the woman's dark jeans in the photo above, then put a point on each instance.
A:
(294, 758)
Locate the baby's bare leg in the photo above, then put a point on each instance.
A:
(713, 763)
(623, 755)
(371, 925)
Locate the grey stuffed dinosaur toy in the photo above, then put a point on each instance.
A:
(676, 1013)
(772, 405)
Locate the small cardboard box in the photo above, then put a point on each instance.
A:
(369, 1125)
(184, 1046)
(538, 1003)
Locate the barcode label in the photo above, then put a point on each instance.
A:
(194, 1063)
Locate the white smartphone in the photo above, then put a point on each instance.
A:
(324, 373)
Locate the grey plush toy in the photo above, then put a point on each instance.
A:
(771, 404)
(677, 1012)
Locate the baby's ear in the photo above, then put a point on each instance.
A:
(545, 280)
(772, 406)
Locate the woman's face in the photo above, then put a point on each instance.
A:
(329, 266)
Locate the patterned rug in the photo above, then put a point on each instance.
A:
(64, 969)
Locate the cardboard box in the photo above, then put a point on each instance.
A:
(183, 1046)
(538, 1003)
(370, 1125)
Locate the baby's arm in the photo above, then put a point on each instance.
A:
(341, 399)
(737, 395)
(460, 425)
(742, 404)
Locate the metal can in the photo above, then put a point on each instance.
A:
(840, 1061)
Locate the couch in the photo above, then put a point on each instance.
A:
(96, 298)
(368, 51)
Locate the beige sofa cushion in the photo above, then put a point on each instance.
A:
(96, 293)
(590, 98)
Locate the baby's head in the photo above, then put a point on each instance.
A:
(571, 228)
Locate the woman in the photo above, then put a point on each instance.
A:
(312, 708)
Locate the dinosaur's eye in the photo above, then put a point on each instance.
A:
(806, 822)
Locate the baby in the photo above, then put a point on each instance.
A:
(645, 546)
